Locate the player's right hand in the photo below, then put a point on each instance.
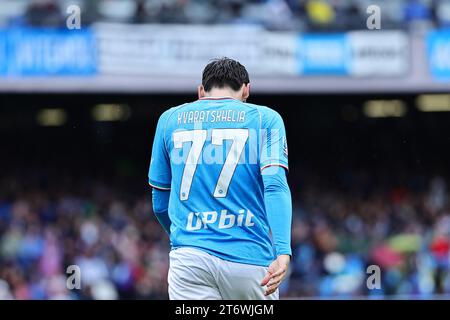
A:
(276, 274)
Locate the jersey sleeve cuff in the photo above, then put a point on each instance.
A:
(159, 186)
(285, 251)
(271, 164)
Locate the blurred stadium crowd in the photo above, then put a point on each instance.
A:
(296, 15)
(123, 252)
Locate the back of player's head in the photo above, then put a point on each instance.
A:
(224, 72)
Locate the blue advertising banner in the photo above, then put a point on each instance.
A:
(3, 57)
(50, 52)
(438, 47)
(326, 54)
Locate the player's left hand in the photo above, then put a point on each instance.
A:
(276, 273)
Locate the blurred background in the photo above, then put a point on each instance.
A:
(367, 114)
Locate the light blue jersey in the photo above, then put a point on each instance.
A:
(210, 154)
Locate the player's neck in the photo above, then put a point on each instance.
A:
(217, 93)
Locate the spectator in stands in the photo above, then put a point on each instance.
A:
(44, 13)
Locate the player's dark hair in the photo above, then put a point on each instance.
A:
(224, 72)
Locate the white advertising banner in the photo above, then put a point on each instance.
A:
(181, 50)
(184, 50)
(378, 53)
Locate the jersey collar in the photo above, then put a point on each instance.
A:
(217, 98)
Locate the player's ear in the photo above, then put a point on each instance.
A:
(245, 91)
(201, 91)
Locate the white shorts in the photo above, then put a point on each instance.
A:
(197, 275)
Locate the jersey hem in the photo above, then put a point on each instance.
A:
(260, 263)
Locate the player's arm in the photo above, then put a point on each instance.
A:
(160, 203)
(159, 175)
(277, 200)
(277, 197)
